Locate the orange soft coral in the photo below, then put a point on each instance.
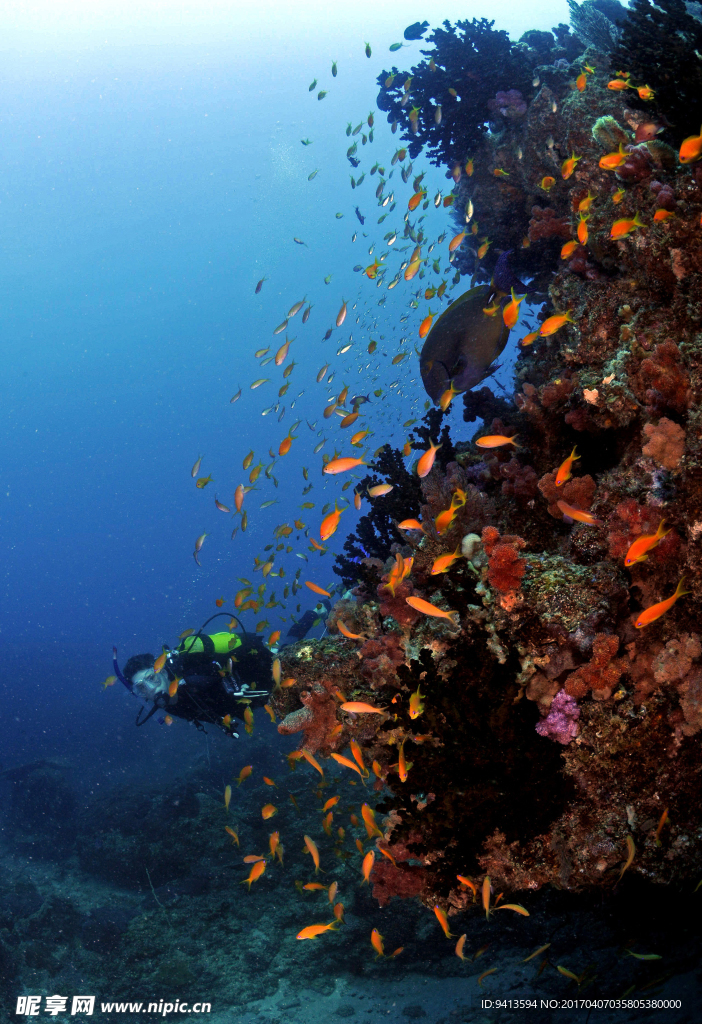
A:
(505, 567)
(666, 443)
(578, 492)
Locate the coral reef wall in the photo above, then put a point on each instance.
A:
(536, 699)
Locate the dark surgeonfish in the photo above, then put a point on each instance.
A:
(463, 344)
(416, 31)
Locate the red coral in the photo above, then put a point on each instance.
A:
(601, 674)
(637, 165)
(578, 492)
(545, 224)
(557, 391)
(665, 195)
(403, 881)
(505, 567)
(663, 381)
(528, 402)
(580, 419)
(316, 718)
(690, 691)
(380, 657)
(675, 660)
(666, 443)
(396, 605)
(520, 482)
(630, 520)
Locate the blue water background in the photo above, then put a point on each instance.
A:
(151, 174)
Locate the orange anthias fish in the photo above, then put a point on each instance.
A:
(426, 608)
(444, 562)
(244, 774)
(466, 881)
(691, 149)
(368, 815)
(402, 769)
(510, 314)
(619, 84)
(426, 461)
(343, 465)
(345, 631)
(232, 833)
(346, 761)
(462, 941)
(268, 811)
(330, 523)
(256, 871)
(456, 241)
(444, 519)
(159, 663)
(410, 524)
(660, 215)
(312, 847)
(447, 397)
(638, 552)
(611, 161)
(313, 930)
(425, 325)
(564, 470)
(547, 183)
(286, 443)
(578, 514)
(486, 896)
(568, 249)
(623, 228)
(495, 441)
(317, 589)
(416, 707)
(555, 322)
(583, 234)
(358, 757)
(380, 490)
(482, 251)
(377, 943)
(443, 921)
(568, 166)
(311, 760)
(656, 610)
(357, 707)
(367, 866)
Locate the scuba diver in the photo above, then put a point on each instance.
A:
(311, 618)
(208, 678)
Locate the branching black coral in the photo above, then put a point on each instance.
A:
(376, 531)
(474, 60)
(659, 45)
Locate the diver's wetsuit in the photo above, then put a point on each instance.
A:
(205, 695)
(213, 683)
